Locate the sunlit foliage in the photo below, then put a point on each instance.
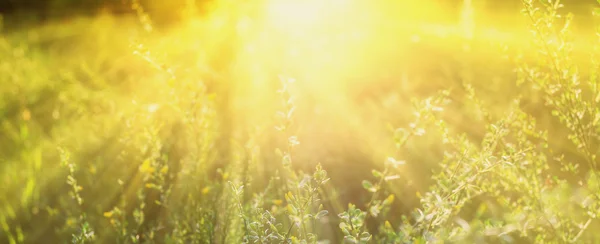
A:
(283, 121)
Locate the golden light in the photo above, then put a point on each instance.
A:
(294, 14)
(333, 48)
(304, 14)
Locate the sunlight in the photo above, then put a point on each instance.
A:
(293, 14)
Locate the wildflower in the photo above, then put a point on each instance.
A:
(205, 190)
(388, 225)
(277, 201)
(71, 221)
(389, 200)
(26, 115)
(164, 169)
(108, 214)
(146, 167)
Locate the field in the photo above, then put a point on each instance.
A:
(281, 121)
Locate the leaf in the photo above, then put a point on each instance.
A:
(344, 227)
(368, 186)
(290, 113)
(287, 160)
(419, 132)
(377, 174)
(389, 200)
(375, 210)
(350, 239)
(304, 181)
(345, 216)
(393, 162)
(365, 237)
(321, 214)
(293, 141)
(292, 210)
(391, 177)
(420, 216)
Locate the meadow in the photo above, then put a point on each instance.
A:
(282, 121)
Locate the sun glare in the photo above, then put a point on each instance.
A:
(304, 14)
(295, 14)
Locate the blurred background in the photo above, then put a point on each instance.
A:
(498, 12)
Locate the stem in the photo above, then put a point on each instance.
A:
(287, 235)
(380, 183)
(585, 226)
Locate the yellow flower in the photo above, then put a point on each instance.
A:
(26, 115)
(388, 225)
(205, 190)
(146, 167)
(149, 185)
(108, 214)
(71, 221)
(277, 202)
(389, 200)
(288, 196)
(225, 176)
(164, 169)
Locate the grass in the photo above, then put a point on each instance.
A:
(248, 123)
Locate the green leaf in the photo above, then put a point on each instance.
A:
(375, 210)
(368, 186)
(321, 214)
(345, 216)
(377, 174)
(365, 237)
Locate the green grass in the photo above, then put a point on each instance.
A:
(204, 133)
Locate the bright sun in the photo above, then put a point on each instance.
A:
(304, 14)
